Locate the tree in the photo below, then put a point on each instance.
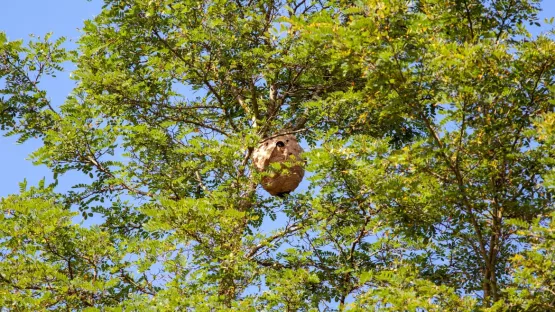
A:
(429, 134)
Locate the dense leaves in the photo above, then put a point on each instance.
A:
(429, 132)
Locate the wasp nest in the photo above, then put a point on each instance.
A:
(286, 151)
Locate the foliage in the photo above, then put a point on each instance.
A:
(429, 132)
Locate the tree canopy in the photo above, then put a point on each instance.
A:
(429, 134)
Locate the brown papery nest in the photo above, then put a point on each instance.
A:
(286, 151)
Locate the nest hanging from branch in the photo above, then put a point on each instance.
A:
(286, 151)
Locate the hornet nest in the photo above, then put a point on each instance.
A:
(285, 150)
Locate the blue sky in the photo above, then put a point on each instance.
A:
(19, 18)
